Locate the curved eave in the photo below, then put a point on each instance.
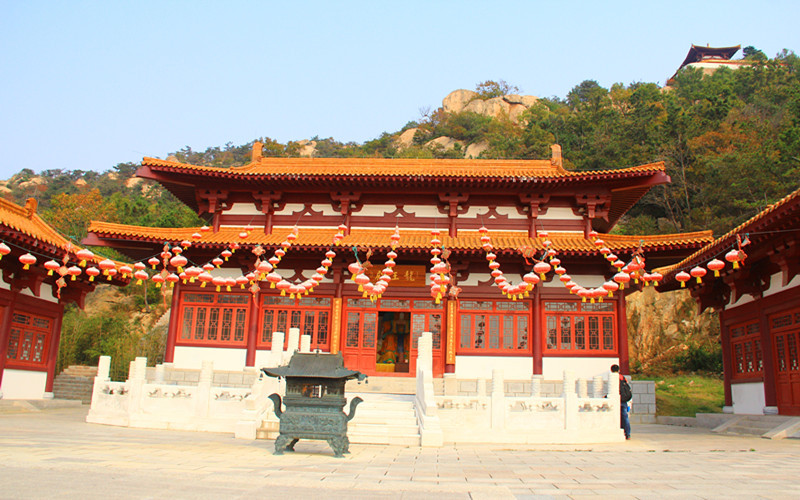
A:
(781, 215)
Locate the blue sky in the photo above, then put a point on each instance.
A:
(87, 85)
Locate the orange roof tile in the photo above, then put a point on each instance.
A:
(406, 167)
(573, 242)
(25, 221)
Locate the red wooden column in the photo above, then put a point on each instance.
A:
(537, 339)
(172, 331)
(450, 323)
(768, 359)
(727, 367)
(252, 329)
(5, 330)
(52, 353)
(622, 335)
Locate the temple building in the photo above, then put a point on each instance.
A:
(41, 273)
(479, 252)
(757, 294)
(710, 59)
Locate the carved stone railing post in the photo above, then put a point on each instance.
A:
(481, 388)
(203, 393)
(536, 386)
(583, 391)
(276, 353)
(597, 387)
(103, 375)
(305, 343)
(294, 341)
(430, 427)
(498, 413)
(159, 374)
(136, 380)
(570, 401)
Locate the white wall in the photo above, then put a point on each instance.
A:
(23, 384)
(748, 398)
(553, 368)
(559, 213)
(514, 368)
(224, 359)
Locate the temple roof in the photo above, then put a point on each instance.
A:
(129, 238)
(698, 53)
(762, 229)
(390, 167)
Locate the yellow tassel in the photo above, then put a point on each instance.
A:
(218, 289)
(227, 288)
(683, 284)
(698, 279)
(203, 285)
(91, 278)
(283, 292)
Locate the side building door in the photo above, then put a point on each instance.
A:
(360, 335)
(785, 329)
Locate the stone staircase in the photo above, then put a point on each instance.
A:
(380, 419)
(75, 383)
(767, 426)
(385, 419)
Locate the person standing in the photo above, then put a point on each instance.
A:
(625, 395)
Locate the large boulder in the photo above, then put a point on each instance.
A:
(445, 142)
(475, 149)
(406, 139)
(457, 100)
(307, 148)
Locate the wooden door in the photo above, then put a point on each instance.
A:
(360, 333)
(428, 322)
(785, 328)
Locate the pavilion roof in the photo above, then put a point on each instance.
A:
(761, 229)
(566, 243)
(698, 52)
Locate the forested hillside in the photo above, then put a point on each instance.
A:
(730, 141)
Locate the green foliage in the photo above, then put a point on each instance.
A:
(491, 88)
(699, 358)
(687, 395)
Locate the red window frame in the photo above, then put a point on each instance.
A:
(747, 355)
(579, 328)
(213, 319)
(490, 327)
(29, 340)
(312, 315)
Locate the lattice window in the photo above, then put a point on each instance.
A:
(28, 340)
(746, 350)
(353, 329)
(310, 316)
(217, 319)
(370, 330)
(395, 304)
(576, 327)
(494, 327)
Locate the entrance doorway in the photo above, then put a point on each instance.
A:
(785, 329)
(380, 338)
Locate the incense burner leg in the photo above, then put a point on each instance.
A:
(280, 444)
(339, 446)
(290, 446)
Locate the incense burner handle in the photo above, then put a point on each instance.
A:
(353, 403)
(276, 403)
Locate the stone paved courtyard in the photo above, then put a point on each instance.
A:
(55, 454)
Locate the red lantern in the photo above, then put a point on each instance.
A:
(173, 278)
(205, 278)
(193, 272)
(542, 268)
(355, 269)
(565, 278)
(139, 266)
(92, 272)
(226, 254)
(656, 277)
(716, 265)
(105, 265)
(218, 282)
(698, 272)
(205, 229)
(196, 236)
(622, 278)
(84, 254)
(273, 278)
(733, 257)
(4, 250)
(51, 266)
(27, 260)
(683, 277)
(531, 279)
(153, 261)
(593, 234)
(140, 275)
(208, 267)
(542, 234)
(229, 282)
(186, 244)
(361, 279)
(158, 280)
(599, 243)
(217, 261)
(330, 254)
(178, 262)
(126, 271)
(610, 287)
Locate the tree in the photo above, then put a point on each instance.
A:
(70, 213)
(491, 88)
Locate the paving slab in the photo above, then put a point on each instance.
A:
(53, 452)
